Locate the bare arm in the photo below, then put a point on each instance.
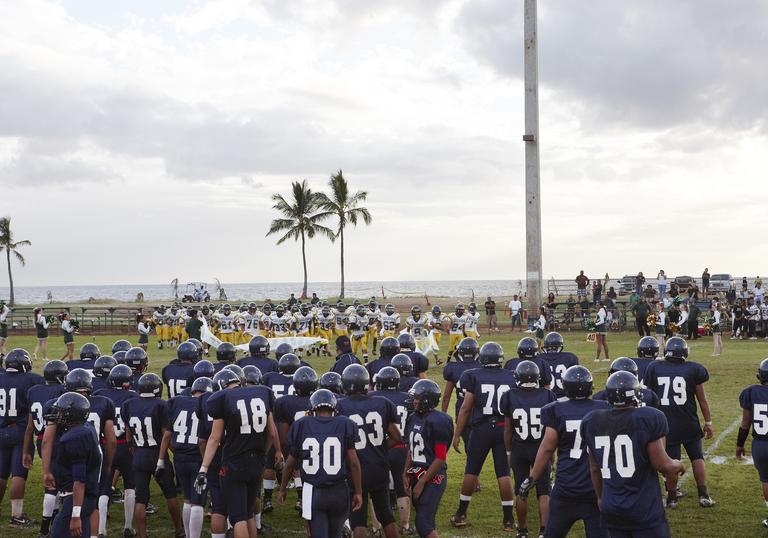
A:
(164, 444)
(355, 472)
(595, 475)
(393, 434)
(662, 463)
(462, 419)
(110, 442)
(704, 404)
(27, 449)
(746, 423)
(283, 431)
(508, 426)
(447, 392)
(49, 438)
(214, 440)
(546, 451)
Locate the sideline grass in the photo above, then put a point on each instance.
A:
(733, 485)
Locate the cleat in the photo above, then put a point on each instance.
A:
(129, 533)
(151, 509)
(41, 535)
(407, 531)
(671, 503)
(509, 526)
(297, 506)
(680, 493)
(267, 508)
(521, 533)
(706, 502)
(459, 520)
(22, 522)
(765, 523)
(347, 532)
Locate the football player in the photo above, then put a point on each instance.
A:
(573, 496)
(244, 426)
(303, 320)
(390, 321)
(374, 324)
(428, 433)
(325, 323)
(679, 384)
(481, 409)
(322, 447)
(647, 396)
(224, 321)
(249, 321)
(258, 348)
(281, 322)
(376, 419)
(522, 435)
(387, 385)
(332, 381)
(101, 368)
(265, 323)
(146, 418)
(416, 324)
(358, 322)
(183, 418)
(54, 373)
(466, 355)
(177, 374)
(120, 382)
(402, 363)
(557, 360)
(456, 332)
(647, 352)
(389, 348)
(225, 354)
(472, 321)
(626, 451)
(344, 355)
(527, 350)
(420, 361)
(77, 466)
(88, 353)
(754, 403)
(158, 322)
(437, 322)
(174, 331)
(16, 380)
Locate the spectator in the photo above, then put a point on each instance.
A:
(758, 280)
(606, 278)
(758, 292)
(193, 325)
(764, 319)
(570, 309)
(601, 330)
(705, 282)
(515, 308)
(292, 300)
(673, 318)
(490, 313)
(693, 321)
(753, 318)
(634, 297)
(693, 292)
(597, 291)
(730, 295)
(737, 313)
(717, 333)
(582, 281)
(584, 307)
(649, 293)
(662, 278)
(744, 283)
(674, 291)
(551, 305)
(639, 283)
(641, 311)
(612, 295)
(315, 299)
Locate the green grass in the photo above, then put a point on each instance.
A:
(733, 485)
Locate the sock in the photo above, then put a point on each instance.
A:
(185, 511)
(196, 517)
(49, 505)
(403, 508)
(17, 507)
(257, 517)
(218, 535)
(103, 509)
(129, 505)
(506, 508)
(298, 492)
(702, 491)
(463, 504)
(269, 485)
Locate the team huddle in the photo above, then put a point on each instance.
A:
(361, 435)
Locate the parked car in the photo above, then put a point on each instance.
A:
(626, 285)
(683, 282)
(720, 283)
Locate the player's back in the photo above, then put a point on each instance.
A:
(544, 370)
(647, 397)
(452, 371)
(642, 367)
(572, 478)
(524, 406)
(372, 416)
(488, 385)
(177, 376)
(14, 387)
(375, 366)
(85, 364)
(398, 399)
(558, 362)
(618, 439)
(145, 417)
(406, 382)
(183, 420)
(264, 364)
(37, 396)
(118, 398)
(102, 410)
(327, 438)
(290, 408)
(755, 399)
(674, 382)
(279, 383)
(78, 446)
(419, 360)
(426, 432)
(245, 411)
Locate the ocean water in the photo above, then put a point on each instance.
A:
(274, 291)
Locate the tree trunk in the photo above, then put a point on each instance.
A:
(304, 260)
(341, 232)
(11, 300)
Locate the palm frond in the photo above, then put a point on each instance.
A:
(279, 225)
(294, 233)
(22, 243)
(20, 258)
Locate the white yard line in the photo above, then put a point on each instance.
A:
(710, 451)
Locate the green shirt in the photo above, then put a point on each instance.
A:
(641, 310)
(193, 328)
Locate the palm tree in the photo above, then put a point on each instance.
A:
(9, 245)
(299, 220)
(345, 208)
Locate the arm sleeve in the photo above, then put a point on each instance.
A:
(702, 375)
(294, 440)
(657, 426)
(467, 381)
(548, 416)
(546, 373)
(77, 455)
(745, 399)
(216, 406)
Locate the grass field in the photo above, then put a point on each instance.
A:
(732, 484)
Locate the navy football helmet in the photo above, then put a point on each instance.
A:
(676, 349)
(577, 382)
(79, 380)
(388, 378)
(623, 390)
(491, 355)
(283, 349)
(258, 346)
(226, 352)
(137, 359)
(468, 350)
(54, 372)
(553, 342)
(103, 365)
(121, 345)
(252, 375)
(90, 351)
(226, 378)
(288, 364)
(119, 356)
(70, 409)
(403, 364)
(388, 348)
(406, 341)
(624, 364)
(527, 348)
(322, 398)
(305, 381)
(203, 369)
(18, 360)
(527, 374)
(199, 346)
(187, 352)
(150, 384)
(331, 381)
(355, 379)
(202, 384)
(120, 377)
(423, 396)
(238, 371)
(648, 347)
(762, 372)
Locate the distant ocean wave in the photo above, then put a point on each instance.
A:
(274, 291)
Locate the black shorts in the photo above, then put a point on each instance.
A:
(218, 504)
(487, 436)
(380, 500)
(144, 463)
(427, 505)
(521, 461)
(240, 479)
(396, 457)
(122, 462)
(325, 509)
(692, 448)
(186, 472)
(11, 452)
(658, 531)
(760, 458)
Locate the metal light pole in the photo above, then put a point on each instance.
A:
(532, 184)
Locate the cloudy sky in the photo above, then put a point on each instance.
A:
(141, 140)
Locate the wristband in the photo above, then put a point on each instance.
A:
(76, 511)
(742, 437)
(509, 453)
(203, 469)
(708, 423)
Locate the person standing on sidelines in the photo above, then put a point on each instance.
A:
(68, 330)
(41, 327)
(515, 308)
(601, 331)
(705, 276)
(490, 314)
(582, 281)
(145, 327)
(625, 447)
(754, 403)
(4, 312)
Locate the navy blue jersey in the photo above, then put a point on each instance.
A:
(14, 406)
(375, 366)
(648, 398)
(102, 410)
(755, 399)
(146, 417)
(183, 420)
(425, 432)
(291, 408)
(99, 383)
(279, 383)
(558, 363)
(398, 400)
(452, 372)
(488, 385)
(177, 376)
(642, 367)
(85, 364)
(37, 395)
(373, 417)
(78, 459)
(342, 361)
(135, 376)
(419, 360)
(544, 370)
(218, 366)
(321, 445)
(523, 406)
(264, 364)
(245, 411)
(572, 480)
(118, 397)
(618, 439)
(406, 382)
(675, 385)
